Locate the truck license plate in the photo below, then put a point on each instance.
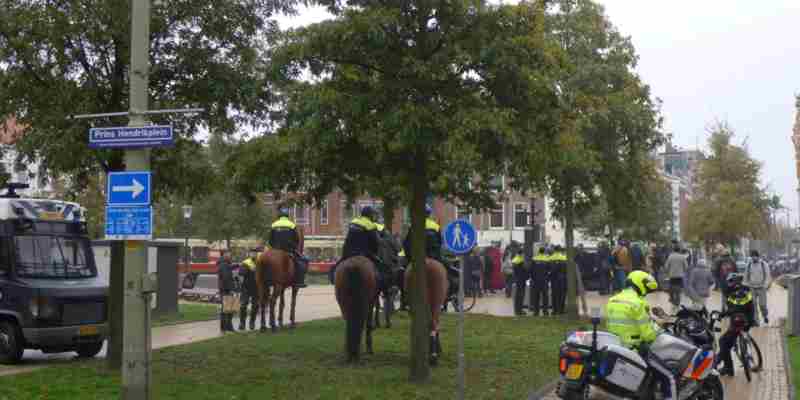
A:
(574, 371)
(87, 330)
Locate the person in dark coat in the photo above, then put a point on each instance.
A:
(604, 255)
(472, 273)
(249, 290)
(637, 257)
(226, 285)
(488, 262)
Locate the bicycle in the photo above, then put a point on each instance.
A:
(744, 346)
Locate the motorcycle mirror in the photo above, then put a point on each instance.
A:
(659, 312)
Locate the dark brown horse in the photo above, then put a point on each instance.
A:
(356, 293)
(438, 285)
(275, 268)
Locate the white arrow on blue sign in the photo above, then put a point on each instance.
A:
(460, 236)
(130, 188)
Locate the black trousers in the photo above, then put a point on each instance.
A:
(558, 296)
(539, 292)
(726, 342)
(520, 277)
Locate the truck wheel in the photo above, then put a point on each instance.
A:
(10, 343)
(89, 350)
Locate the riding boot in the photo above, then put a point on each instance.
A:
(300, 272)
(242, 317)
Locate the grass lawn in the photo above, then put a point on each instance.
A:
(794, 356)
(189, 312)
(507, 358)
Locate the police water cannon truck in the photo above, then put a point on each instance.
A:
(51, 298)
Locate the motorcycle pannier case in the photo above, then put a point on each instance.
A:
(626, 370)
(675, 352)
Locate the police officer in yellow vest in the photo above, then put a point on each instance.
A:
(249, 290)
(539, 273)
(520, 278)
(283, 236)
(558, 280)
(362, 240)
(628, 316)
(389, 251)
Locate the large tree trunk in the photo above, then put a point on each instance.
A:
(419, 370)
(572, 275)
(389, 205)
(115, 305)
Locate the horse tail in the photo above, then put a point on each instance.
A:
(358, 309)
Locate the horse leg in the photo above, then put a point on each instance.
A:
(273, 299)
(388, 308)
(264, 300)
(280, 314)
(371, 325)
(377, 313)
(294, 306)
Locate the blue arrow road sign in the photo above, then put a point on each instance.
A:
(129, 223)
(131, 137)
(130, 188)
(460, 236)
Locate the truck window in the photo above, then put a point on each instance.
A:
(52, 257)
(5, 256)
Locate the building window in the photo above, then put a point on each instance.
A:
(497, 183)
(521, 215)
(496, 218)
(323, 213)
(301, 215)
(463, 213)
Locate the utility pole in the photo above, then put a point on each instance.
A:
(136, 342)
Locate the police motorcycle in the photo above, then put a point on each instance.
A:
(596, 360)
(694, 325)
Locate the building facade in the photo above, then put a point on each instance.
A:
(28, 173)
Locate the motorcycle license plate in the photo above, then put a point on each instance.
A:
(574, 371)
(87, 330)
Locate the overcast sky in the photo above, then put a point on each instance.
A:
(731, 60)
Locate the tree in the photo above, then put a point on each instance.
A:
(728, 201)
(610, 126)
(424, 92)
(71, 57)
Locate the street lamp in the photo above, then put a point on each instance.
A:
(187, 260)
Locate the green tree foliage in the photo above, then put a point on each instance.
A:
(71, 57)
(429, 94)
(728, 201)
(610, 126)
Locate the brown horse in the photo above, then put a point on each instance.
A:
(275, 267)
(438, 285)
(356, 293)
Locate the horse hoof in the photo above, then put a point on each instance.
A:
(434, 360)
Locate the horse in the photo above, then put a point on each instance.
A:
(356, 293)
(276, 267)
(388, 249)
(438, 285)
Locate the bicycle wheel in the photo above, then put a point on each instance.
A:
(756, 359)
(743, 354)
(469, 301)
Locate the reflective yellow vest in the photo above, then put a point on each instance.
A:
(284, 222)
(518, 261)
(365, 223)
(380, 227)
(627, 316)
(740, 302)
(249, 264)
(430, 224)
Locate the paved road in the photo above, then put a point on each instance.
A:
(317, 302)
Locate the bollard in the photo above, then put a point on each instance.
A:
(793, 309)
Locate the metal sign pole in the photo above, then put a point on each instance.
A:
(136, 345)
(461, 361)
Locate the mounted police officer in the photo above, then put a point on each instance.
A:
(284, 236)
(433, 245)
(249, 290)
(362, 240)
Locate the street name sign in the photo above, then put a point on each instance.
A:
(460, 236)
(129, 188)
(129, 223)
(131, 137)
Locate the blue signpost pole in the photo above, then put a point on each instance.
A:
(460, 238)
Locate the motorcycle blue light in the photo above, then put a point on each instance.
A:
(603, 369)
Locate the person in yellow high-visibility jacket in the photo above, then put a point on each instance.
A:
(520, 277)
(628, 313)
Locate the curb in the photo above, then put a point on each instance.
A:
(787, 362)
(545, 390)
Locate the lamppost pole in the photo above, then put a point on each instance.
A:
(187, 259)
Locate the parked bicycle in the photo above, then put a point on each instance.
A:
(745, 347)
